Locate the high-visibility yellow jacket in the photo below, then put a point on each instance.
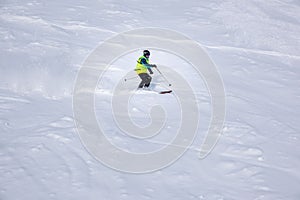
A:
(142, 65)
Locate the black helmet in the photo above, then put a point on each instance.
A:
(146, 53)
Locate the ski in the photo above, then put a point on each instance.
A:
(165, 92)
(155, 91)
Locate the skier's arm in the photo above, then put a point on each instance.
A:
(143, 61)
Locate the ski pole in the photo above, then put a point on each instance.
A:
(163, 76)
(130, 78)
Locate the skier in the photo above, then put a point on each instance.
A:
(142, 67)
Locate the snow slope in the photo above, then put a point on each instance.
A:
(255, 46)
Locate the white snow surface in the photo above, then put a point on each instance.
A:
(255, 46)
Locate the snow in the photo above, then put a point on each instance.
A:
(255, 46)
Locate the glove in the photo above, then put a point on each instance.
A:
(153, 66)
(151, 72)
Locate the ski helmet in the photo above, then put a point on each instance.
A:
(146, 53)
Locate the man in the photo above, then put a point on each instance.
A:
(142, 67)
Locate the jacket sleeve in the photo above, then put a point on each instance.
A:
(144, 62)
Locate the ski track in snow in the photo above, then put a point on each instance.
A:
(255, 51)
(255, 46)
